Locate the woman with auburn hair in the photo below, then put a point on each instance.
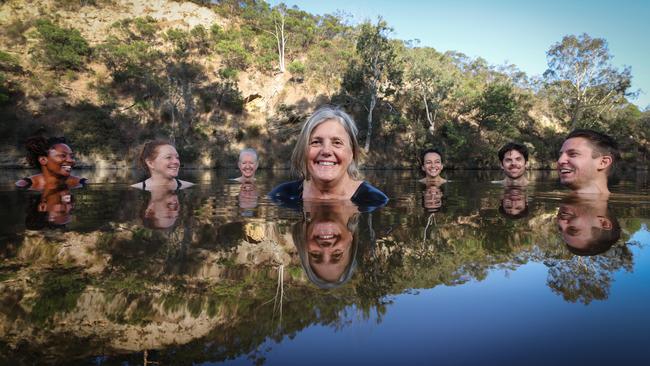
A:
(160, 159)
(55, 160)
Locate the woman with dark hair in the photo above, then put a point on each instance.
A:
(326, 158)
(55, 160)
(432, 166)
(160, 160)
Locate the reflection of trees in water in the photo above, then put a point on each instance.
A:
(156, 276)
(584, 279)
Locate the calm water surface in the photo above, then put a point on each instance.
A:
(468, 273)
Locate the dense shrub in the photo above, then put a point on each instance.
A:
(60, 48)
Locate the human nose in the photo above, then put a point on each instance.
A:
(562, 159)
(326, 148)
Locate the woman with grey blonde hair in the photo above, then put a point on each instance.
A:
(325, 159)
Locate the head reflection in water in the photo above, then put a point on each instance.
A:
(52, 208)
(247, 195)
(514, 204)
(162, 210)
(327, 242)
(587, 226)
(432, 198)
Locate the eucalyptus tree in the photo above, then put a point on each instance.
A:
(432, 78)
(582, 79)
(376, 72)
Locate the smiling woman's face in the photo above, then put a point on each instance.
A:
(329, 153)
(166, 163)
(329, 248)
(59, 160)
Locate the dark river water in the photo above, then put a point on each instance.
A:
(467, 273)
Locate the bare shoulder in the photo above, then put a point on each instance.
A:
(137, 185)
(75, 182)
(186, 184)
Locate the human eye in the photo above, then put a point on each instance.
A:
(314, 142)
(316, 257)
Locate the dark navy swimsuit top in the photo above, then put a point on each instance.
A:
(367, 197)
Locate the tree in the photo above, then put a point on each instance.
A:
(60, 48)
(432, 80)
(378, 70)
(581, 77)
(278, 17)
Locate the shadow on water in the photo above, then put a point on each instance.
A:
(216, 273)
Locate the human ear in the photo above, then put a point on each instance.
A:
(42, 160)
(605, 223)
(605, 162)
(149, 164)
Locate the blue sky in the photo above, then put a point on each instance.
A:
(516, 32)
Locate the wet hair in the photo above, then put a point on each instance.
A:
(603, 239)
(38, 146)
(429, 151)
(299, 233)
(521, 214)
(521, 148)
(149, 152)
(248, 150)
(442, 196)
(602, 144)
(323, 114)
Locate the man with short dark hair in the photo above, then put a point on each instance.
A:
(586, 225)
(586, 160)
(514, 160)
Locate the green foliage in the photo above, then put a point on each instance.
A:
(131, 29)
(60, 48)
(181, 41)
(228, 73)
(8, 63)
(582, 79)
(58, 294)
(94, 129)
(296, 68)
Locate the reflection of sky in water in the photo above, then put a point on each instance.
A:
(492, 315)
(475, 322)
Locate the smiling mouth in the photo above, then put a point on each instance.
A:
(66, 168)
(326, 163)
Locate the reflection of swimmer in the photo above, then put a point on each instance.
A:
(162, 210)
(327, 242)
(514, 204)
(432, 198)
(247, 195)
(52, 208)
(587, 226)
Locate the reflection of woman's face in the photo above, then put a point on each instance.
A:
(432, 197)
(329, 244)
(59, 206)
(329, 153)
(163, 209)
(247, 195)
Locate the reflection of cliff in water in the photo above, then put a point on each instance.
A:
(215, 287)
